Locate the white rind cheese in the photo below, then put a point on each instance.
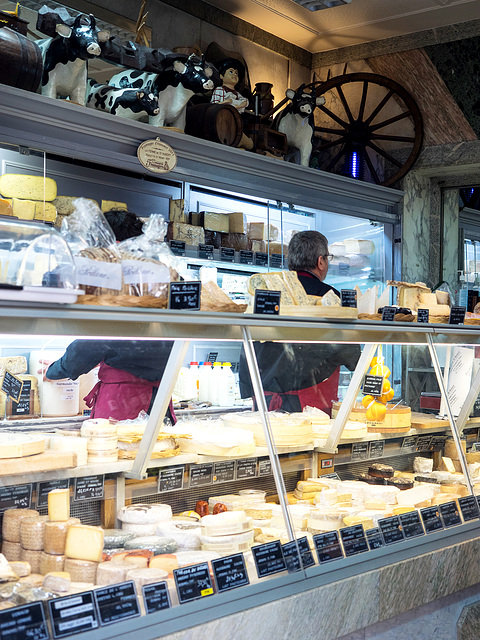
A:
(145, 513)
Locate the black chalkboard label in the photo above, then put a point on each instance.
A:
(89, 488)
(431, 519)
(261, 259)
(328, 546)
(409, 444)
(437, 443)
(372, 385)
(201, 475)
(170, 479)
(333, 476)
(230, 572)
(423, 443)
(349, 298)
(469, 508)
(450, 514)
(376, 449)
(269, 558)
(12, 386)
(24, 407)
(117, 602)
(374, 538)
(24, 623)
(276, 260)
(185, 295)
(267, 302)
(292, 558)
(264, 467)
(224, 471)
(156, 597)
(16, 497)
(423, 315)
(177, 247)
(412, 525)
(388, 314)
(227, 254)
(44, 488)
(73, 614)
(246, 468)
(353, 540)
(457, 315)
(193, 582)
(246, 257)
(205, 251)
(359, 451)
(391, 529)
(212, 356)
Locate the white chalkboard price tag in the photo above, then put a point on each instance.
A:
(372, 385)
(349, 298)
(185, 295)
(409, 444)
(423, 315)
(267, 302)
(469, 508)
(177, 247)
(170, 479)
(89, 488)
(205, 251)
(117, 602)
(388, 314)
(269, 558)
(246, 257)
(246, 468)
(227, 254)
(374, 538)
(12, 386)
(411, 524)
(156, 597)
(391, 529)
(328, 546)
(44, 488)
(261, 259)
(24, 623)
(201, 475)
(290, 554)
(276, 260)
(450, 515)
(224, 471)
(376, 448)
(16, 497)
(230, 572)
(73, 614)
(353, 540)
(193, 582)
(431, 519)
(264, 467)
(457, 315)
(359, 451)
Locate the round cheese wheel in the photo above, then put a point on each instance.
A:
(98, 428)
(11, 550)
(56, 535)
(102, 444)
(112, 572)
(50, 562)
(11, 522)
(116, 538)
(81, 570)
(33, 557)
(186, 533)
(99, 457)
(157, 544)
(32, 532)
(140, 529)
(146, 576)
(145, 513)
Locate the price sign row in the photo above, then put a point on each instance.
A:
(227, 254)
(201, 475)
(367, 450)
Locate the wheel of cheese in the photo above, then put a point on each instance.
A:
(21, 569)
(11, 550)
(145, 513)
(102, 444)
(18, 445)
(139, 529)
(98, 428)
(33, 557)
(57, 581)
(32, 532)
(157, 544)
(50, 562)
(146, 576)
(116, 538)
(228, 544)
(65, 443)
(81, 570)
(186, 533)
(56, 535)
(112, 572)
(99, 457)
(11, 522)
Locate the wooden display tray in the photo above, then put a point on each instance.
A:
(426, 421)
(316, 311)
(46, 461)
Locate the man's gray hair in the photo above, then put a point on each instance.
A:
(304, 250)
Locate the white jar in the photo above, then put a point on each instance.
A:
(57, 397)
(204, 382)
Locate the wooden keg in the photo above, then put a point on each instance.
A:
(20, 61)
(216, 122)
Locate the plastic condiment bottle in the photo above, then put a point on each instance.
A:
(204, 382)
(216, 381)
(195, 369)
(228, 385)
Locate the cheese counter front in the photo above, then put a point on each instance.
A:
(152, 525)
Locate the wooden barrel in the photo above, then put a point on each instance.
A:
(20, 61)
(216, 122)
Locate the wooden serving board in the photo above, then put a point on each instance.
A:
(46, 461)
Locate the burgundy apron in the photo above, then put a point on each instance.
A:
(320, 395)
(120, 395)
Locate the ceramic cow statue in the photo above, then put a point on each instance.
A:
(65, 58)
(127, 103)
(180, 79)
(296, 121)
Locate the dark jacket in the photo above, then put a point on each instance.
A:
(313, 285)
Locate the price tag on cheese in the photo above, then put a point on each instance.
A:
(117, 602)
(193, 582)
(349, 298)
(230, 572)
(372, 385)
(388, 314)
(73, 614)
(156, 597)
(328, 546)
(457, 315)
(205, 251)
(20, 623)
(44, 488)
(267, 302)
(412, 526)
(227, 254)
(391, 529)
(291, 555)
(170, 479)
(224, 471)
(89, 488)
(431, 519)
(269, 558)
(374, 538)
(185, 295)
(353, 540)
(469, 508)
(12, 386)
(16, 497)
(450, 514)
(423, 315)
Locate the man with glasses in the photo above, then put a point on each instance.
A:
(308, 256)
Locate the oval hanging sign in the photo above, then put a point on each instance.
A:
(157, 156)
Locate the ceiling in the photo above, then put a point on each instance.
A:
(360, 22)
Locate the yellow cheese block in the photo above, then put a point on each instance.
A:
(59, 505)
(23, 209)
(176, 211)
(16, 185)
(108, 205)
(18, 445)
(350, 521)
(399, 510)
(446, 464)
(64, 204)
(5, 208)
(45, 211)
(84, 543)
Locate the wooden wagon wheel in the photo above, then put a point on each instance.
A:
(360, 123)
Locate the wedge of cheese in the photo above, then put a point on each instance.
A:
(16, 185)
(446, 464)
(23, 209)
(59, 505)
(176, 211)
(108, 205)
(5, 208)
(84, 543)
(45, 211)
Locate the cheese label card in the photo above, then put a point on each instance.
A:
(269, 558)
(140, 272)
(372, 385)
(375, 450)
(261, 259)
(391, 529)
(388, 314)
(267, 302)
(349, 298)
(423, 443)
(20, 623)
(431, 519)
(457, 315)
(177, 247)
(246, 468)
(291, 555)
(73, 614)
(437, 443)
(230, 572)
(450, 515)
(469, 508)
(97, 273)
(412, 525)
(374, 538)
(185, 295)
(157, 156)
(328, 546)
(89, 488)
(12, 386)
(24, 406)
(44, 488)
(156, 597)
(205, 251)
(227, 254)
(353, 540)
(201, 475)
(170, 479)
(16, 497)
(359, 451)
(117, 602)
(246, 257)
(193, 582)
(409, 444)
(423, 315)
(224, 471)
(264, 467)
(276, 260)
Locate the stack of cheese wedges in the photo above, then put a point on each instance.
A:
(28, 197)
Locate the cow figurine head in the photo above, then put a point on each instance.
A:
(303, 103)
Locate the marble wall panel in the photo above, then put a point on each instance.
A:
(416, 229)
(451, 215)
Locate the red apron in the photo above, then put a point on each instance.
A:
(320, 395)
(120, 395)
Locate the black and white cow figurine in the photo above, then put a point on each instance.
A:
(297, 122)
(65, 58)
(127, 103)
(180, 80)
